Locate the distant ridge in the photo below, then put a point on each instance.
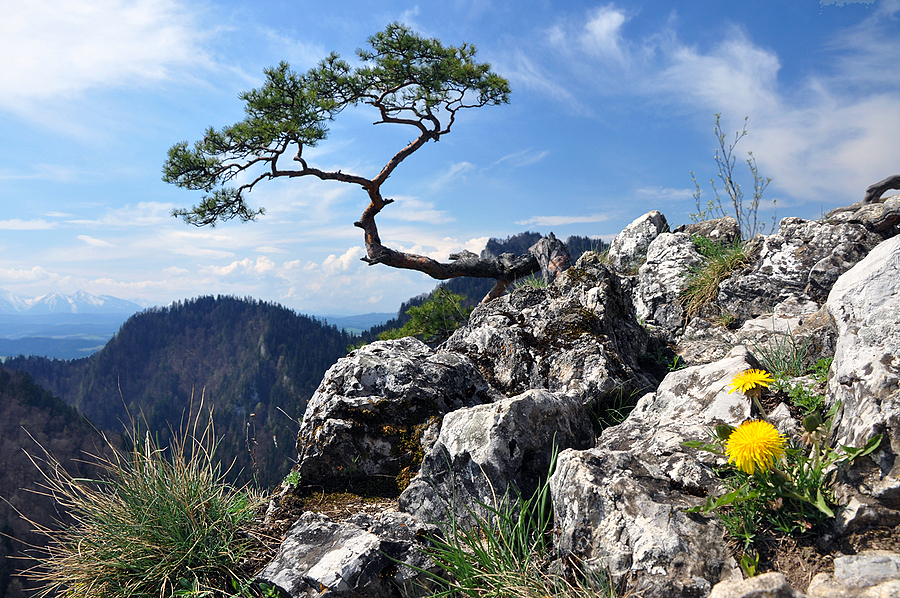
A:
(78, 302)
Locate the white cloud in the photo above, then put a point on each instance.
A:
(453, 172)
(334, 264)
(17, 224)
(411, 209)
(54, 48)
(94, 242)
(826, 134)
(562, 220)
(664, 193)
(602, 34)
(522, 158)
(145, 213)
(263, 266)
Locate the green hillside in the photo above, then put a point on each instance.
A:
(254, 363)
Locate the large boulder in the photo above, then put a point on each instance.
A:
(577, 337)
(865, 375)
(628, 250)
(365, 422)
(882, 218)
(491, 454)
(800, 263)
(670, 257)
(620, 505)
(364, 556)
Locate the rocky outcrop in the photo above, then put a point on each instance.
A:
(578, 337)
(365, 557)
(628, 250)
(487, 456)
(670, 258)
(621, 504)
(364, 425)
(866, 372)
(799, 263)
(482, 412)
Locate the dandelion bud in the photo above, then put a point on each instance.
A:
(812, 422)
(723, 431)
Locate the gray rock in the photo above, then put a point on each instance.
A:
(722, 230)
(765, 585)
(882, 218)
(865, 304)
(801, 262)
(577, 337)
(661, 278)
(871, 574)
(490, 454)
(370, 557)
(621, 504)
(628, 249)
(365, 421)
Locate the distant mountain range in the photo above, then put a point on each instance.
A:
(58, 303)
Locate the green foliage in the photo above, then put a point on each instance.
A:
(506, 554)
(612, 410)
(29, 414)
(701, 285)
(792, 497)
(746, 216)
(408, 80)
(160, 522)
(434, 320)
(257, 362)
(783, 355)
(534, 281)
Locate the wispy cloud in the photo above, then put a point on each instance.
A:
(829, 135)
(453, 172)
(94, 242)
(62, 48)
(411, 209)
(663, 193)
(17, 224)
(522, 158)
(562, 220)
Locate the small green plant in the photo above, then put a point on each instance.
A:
(506, 554)
(805, 399)
(746, 216)
(433, 321)
(701, 286)
(162, 522)
(820, 369)
(774, 482)
(613, 409)
(783, 355)
(532, 281)
(293, 478)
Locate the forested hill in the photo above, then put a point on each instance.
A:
(255, 363)
(30, 415)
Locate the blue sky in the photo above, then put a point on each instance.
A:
(613, 106)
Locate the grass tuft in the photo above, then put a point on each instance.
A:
(702, 283)
(160, 522)
(509, 553)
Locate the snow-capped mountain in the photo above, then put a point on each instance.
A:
(58, 303)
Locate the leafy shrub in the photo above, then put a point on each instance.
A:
(433, 321)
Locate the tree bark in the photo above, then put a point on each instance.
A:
(874, 192)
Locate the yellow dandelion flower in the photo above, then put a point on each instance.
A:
(749, 380)
(755, 443)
